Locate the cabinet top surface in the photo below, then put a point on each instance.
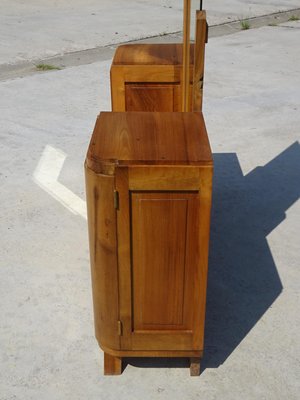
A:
(150, 54)
(149, 138)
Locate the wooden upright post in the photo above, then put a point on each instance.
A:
(200, 40)
(186, 56)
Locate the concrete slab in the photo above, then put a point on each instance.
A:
(35, 30)
(48, 349)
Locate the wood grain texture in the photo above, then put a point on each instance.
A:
(151, 54)
(112, 365)
(150, 97)
(165, 177)
(153, 353)
(160, 274)
(123, 77)
(200, 38)
(150, 138)
(143, 73)
(162, 340)
(149, 255)
(124, 257)
(200, 273)
(103, 256)
(160, 334)
(186, 55)
(139, 69)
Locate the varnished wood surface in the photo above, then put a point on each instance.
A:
(161, 275)
(149, 253)
(149, 138)
(163, 340)
(200, 38)
(103, 256)
(151, 97)
(112, 365)
(186, 56)
(139, 70)
(151, 54)
(200, 274)
(153, 353)
(171, 178)
(145, 77)
(158, 336)
(124, 257)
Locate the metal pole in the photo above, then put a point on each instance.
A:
(201, 5)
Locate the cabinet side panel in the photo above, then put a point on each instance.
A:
(103, 256)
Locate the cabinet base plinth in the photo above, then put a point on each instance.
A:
(150, 353)
(112, 365)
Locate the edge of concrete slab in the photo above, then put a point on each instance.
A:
(101, 53)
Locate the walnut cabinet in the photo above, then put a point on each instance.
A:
(149, 77)
(149, 184)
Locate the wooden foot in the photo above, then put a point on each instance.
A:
(195, 366)
(112, 365)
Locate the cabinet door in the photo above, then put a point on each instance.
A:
(162, 268)
(162, 284)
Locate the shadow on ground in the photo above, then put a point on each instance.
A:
(243, 281)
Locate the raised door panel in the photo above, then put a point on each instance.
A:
(150, 97)
(164, 263)
(158, 237)
(163, 97)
